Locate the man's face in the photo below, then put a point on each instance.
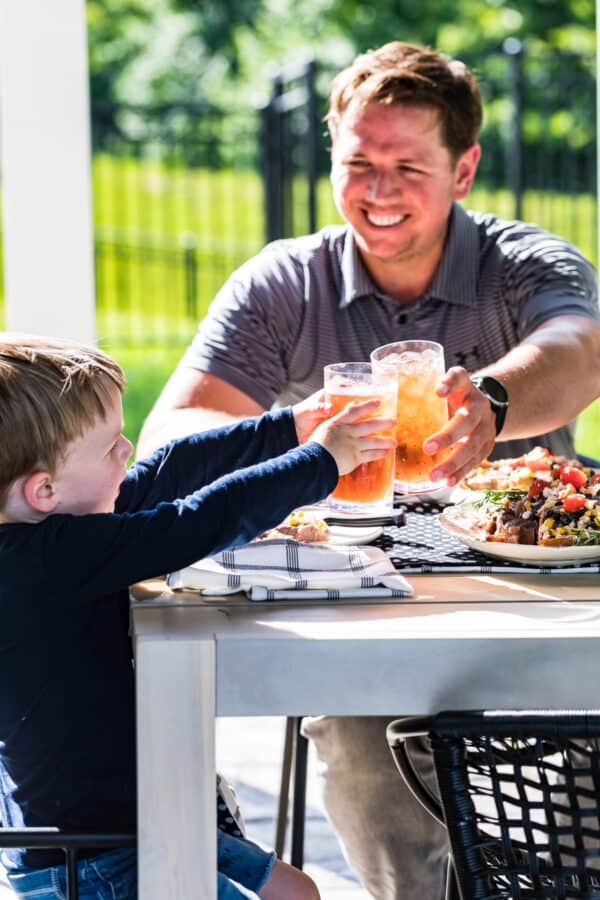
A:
(394, 182)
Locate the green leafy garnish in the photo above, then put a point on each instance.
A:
(584, 536)
(497, 497)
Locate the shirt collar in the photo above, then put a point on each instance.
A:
(455, 279)
(356, 281)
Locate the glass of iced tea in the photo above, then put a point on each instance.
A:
(417, 366)
(368, 489)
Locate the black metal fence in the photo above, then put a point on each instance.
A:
(183, 194)
(290, 152)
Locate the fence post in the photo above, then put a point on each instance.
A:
(271, 163)
(312, 138)
(513, 49)
(279, 142)
(189, 245)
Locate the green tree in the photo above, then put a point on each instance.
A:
(114, 41)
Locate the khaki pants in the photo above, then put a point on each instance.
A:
(398, 851)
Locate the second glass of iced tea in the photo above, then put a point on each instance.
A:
(417, 366)
(368, 489)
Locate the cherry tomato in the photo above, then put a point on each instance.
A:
(574, 502)
(571, 475)
(536, 488)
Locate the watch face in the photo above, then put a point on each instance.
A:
(492, 388)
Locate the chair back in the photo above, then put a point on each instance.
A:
(520, 797)
(71, 842)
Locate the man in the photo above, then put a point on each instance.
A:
(507, 300)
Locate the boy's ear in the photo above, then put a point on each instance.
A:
(39, 491)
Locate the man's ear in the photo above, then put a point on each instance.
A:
(39, 491)
(466, 167)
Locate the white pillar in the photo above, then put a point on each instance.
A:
(46, 184)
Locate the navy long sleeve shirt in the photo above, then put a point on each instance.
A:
(67, 744)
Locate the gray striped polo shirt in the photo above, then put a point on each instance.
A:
(305, 302)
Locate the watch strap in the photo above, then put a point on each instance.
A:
(497, 396)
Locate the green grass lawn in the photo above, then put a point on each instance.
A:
(587, 434)
(146, 370)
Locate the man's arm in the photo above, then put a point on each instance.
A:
(192, 401)
(551, 376)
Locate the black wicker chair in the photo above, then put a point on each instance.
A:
(520, 798)
(68, 841)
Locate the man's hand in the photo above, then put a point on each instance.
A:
(471, 430)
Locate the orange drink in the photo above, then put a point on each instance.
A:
(370, 487)
(418, 367)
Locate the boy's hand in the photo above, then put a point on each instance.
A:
(309, 413)
(352, 442)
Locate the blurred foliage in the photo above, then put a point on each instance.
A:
(218, 50)
(115, 42)
(216, 23)
(217, 56)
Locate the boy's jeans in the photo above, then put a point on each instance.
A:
(113, 875)
(108, 876)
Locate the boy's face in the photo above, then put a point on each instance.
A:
(88, 479)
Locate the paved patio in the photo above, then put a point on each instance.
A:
(249, 754)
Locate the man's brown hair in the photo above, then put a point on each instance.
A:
(51, 391)
(409, 74)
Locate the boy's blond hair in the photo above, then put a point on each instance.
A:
(412, 75)
(51, 391)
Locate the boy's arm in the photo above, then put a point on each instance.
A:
(95, 554)
(189, 463)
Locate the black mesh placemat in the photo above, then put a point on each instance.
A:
(422, 546)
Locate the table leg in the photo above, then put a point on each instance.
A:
(175, 695)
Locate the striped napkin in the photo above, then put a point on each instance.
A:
(285, 570)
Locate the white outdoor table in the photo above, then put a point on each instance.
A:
(470, 641)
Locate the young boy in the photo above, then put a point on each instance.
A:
(75, 531)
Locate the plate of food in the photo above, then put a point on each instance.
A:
(310, 525)
(548, 515)
(516, 473)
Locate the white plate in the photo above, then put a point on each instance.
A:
(461, 522)
(353, 534)
(441, 495)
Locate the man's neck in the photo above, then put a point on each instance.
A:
(400, 284)
(405, 280)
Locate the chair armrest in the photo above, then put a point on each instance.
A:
(398, 732)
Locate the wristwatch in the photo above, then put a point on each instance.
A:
(497, 395)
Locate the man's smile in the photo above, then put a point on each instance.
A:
(384, 221)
